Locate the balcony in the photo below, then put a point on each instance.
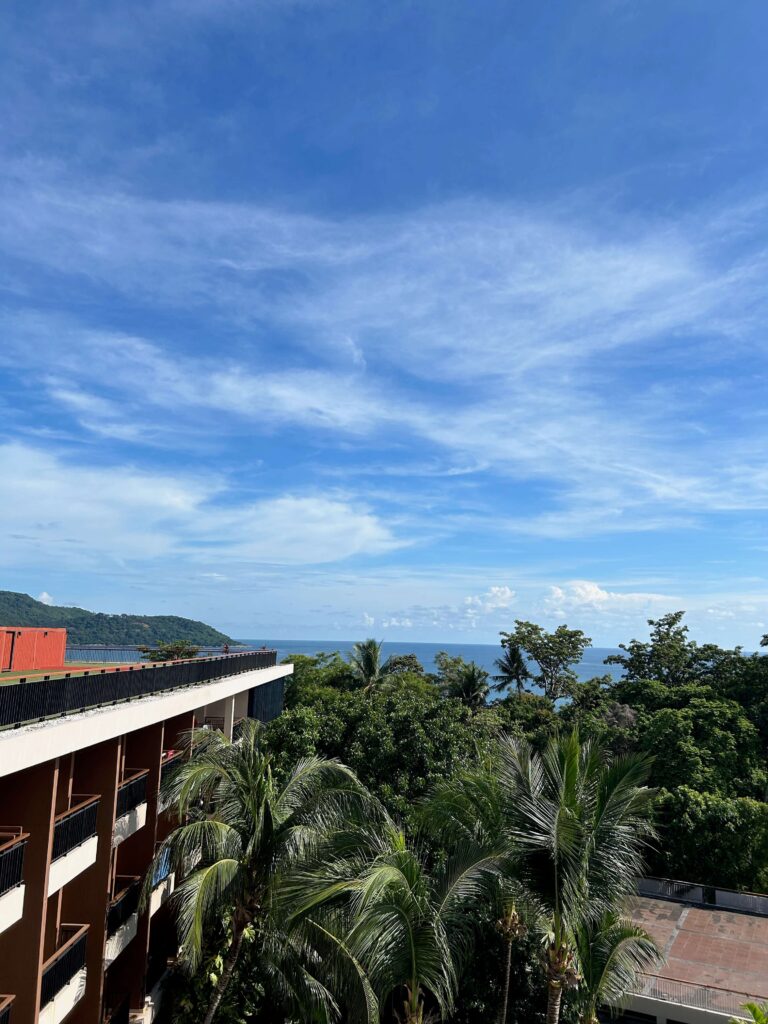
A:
(163, 883)
(64, 975)
(120, 1014)
(131, 812)
(5, 1009)
(171, 761)
(12, 844)
(25, 702)
(122, 916)
(75, 841)
(157, 971)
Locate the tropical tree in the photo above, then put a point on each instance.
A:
(611, 952)
(365, 660)
(177, 650)
(247, 837)
(758, 1012)
(513, 669)
(469, 685)
(554, 654)
(407, 926)
(574, 826)
(512, 927)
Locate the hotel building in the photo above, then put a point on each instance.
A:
(82, 756)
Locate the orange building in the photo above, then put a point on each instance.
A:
(81, 761)
(24, 649)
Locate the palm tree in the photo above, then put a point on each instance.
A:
(512, 926)
(758, 1013)
(575, 827)
(365, 660)
(513, 670)
(611, 952)
(469, 685)
(246, 837)
(407, 927)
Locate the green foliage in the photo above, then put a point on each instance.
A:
(178, 650)
(237, 864)
(397, 664)
(365, 661)
(574, 828)
(758, 1013)
(400, 743)
(407, 923)
(85, 627)
(189, 995)
(313, 672)
(554, 653)
(529, 715)
(512, 669)
(611, 952)
(670, 657)
(465, 681)
(712, 839)
(700, 720)
(709, 744)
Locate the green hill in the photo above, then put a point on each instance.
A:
(85, 627)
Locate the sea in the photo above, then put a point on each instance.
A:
(484, 655)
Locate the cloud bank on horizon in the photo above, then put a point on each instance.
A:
(318, 319)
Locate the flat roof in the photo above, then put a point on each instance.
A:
(710, 948)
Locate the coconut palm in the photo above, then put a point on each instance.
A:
(513, 670)
(575, 826)
(365, 660)
(469, 684)
(513, 927)
(245, 838)
(758, 1012)
(407, 927)
(611, 952)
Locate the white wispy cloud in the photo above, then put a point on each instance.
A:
(497, 336)
(78, 516)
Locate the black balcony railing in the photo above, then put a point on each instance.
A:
(124, 905)
(75, 826)
(6, 1003)
(11, 862)
(157, 965)
(265, 702)
(119, 1014)
(24, 702)
(171, 761)
(703, 895)
(131, 793)
(62, 967)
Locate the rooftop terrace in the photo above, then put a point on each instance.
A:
(715, 959)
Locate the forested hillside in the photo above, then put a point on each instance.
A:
(84, 627)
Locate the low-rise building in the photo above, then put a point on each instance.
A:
(715, 945)
(82, 757)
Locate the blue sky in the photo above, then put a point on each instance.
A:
(325, 318)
